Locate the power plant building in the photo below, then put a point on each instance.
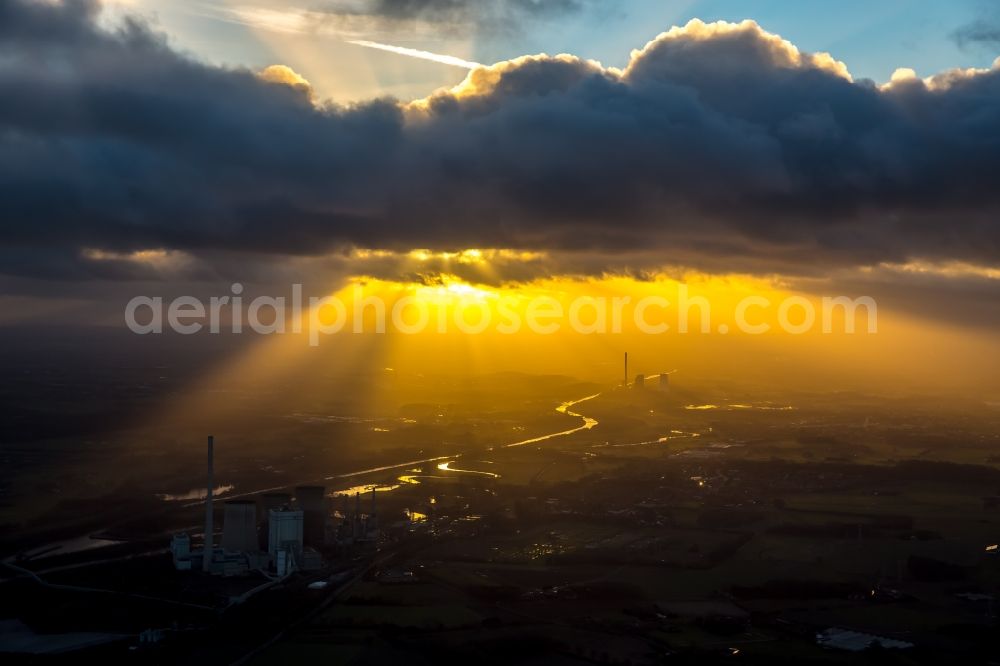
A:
(243, 545)
(180, 551)
(284, 542)
(269, 501)
(284, 531)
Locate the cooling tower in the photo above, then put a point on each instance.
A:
(312, 501)
(239, 529)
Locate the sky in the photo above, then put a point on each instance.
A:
(809, 149)
(872, 38)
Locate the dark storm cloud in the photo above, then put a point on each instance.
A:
(978, 33)
(982, 32)
(966, 300)
(717, 145)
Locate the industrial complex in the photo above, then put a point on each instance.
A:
(275, 534)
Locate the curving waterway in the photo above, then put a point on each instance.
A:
(444, 462)
(587, 424)
(446, 466)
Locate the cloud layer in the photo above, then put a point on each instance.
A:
(717, 144)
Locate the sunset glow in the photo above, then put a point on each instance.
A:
(499, 332)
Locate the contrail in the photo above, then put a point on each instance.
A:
(415, 53)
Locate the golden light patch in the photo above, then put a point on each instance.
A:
(782, 51)
(156, 258)
(284, 75)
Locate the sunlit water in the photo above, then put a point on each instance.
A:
(763, 407)
(587, 424)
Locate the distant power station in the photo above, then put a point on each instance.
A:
(276, 532)
(662, 384)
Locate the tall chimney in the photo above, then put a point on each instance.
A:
(626, 369)
(206, 563)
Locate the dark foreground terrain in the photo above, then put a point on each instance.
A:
(539, 521)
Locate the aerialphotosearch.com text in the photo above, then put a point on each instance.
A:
(359, 312)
